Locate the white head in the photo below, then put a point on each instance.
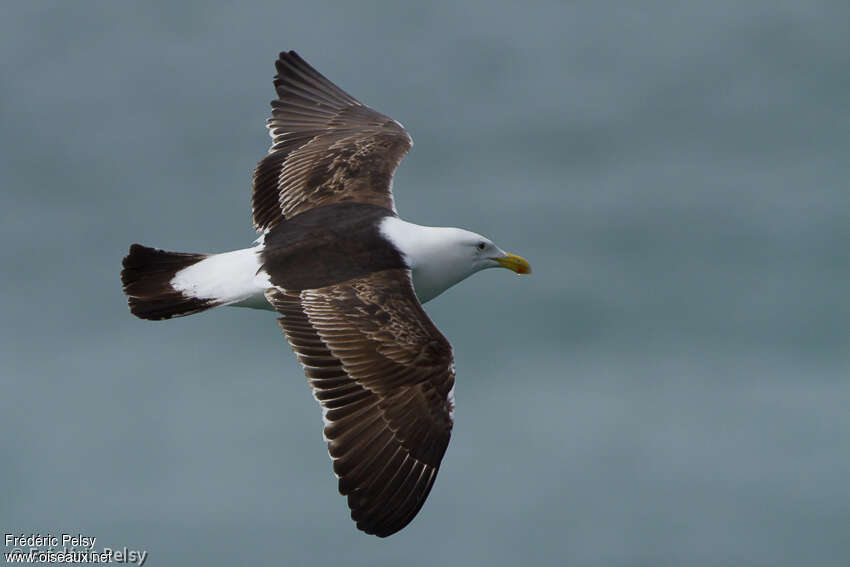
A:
(440, 257)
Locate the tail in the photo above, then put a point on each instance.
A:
(147, 277)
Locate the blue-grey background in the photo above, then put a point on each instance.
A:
(670, 387)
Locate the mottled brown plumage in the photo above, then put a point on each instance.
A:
(383, 373)
(377, 364)
(328, 148)
(339, 266)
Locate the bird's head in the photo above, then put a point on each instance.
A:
(440, 257)
(483, 254)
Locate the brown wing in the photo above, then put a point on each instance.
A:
(328, 148)
(383, 374)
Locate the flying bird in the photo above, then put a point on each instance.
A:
(347, 277)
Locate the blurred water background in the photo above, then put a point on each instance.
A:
(670, 387)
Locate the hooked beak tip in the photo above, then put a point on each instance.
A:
(514, 263)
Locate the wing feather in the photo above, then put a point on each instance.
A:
(382, 372)
(327, 148)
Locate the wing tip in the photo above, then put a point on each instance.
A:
(298, 79)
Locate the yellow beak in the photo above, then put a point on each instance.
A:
(515, 263)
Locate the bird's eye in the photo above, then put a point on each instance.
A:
(481, 246)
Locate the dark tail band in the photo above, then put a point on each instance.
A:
(147, 276)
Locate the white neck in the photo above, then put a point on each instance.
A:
(436, 260)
